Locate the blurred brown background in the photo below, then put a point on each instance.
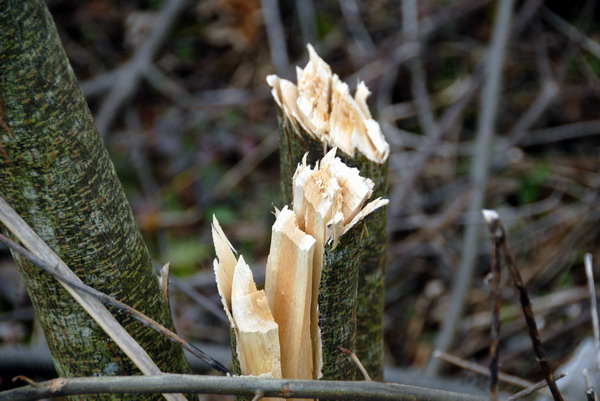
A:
(179, 94)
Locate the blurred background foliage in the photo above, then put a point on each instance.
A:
(196, 136)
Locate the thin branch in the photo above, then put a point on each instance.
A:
(410, 22)
(108, 300)
(482, 370)
(589, 272)
(245, 166)
(276, 36)
(258, 394)
(479, 174)
(497, 230)
(536, 387)
(356, 28)
(572, 33)
(561, 133)
(432, 143)
(589, 388)
(495, 306)
(308, 21)
(128, 77)
(241, 386)
(546, 96)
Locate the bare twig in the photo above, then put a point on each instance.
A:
(202, 300)
(547, 94)
(572, 33)
(308, 21)
(357, 362)
(276, 36)
(245, 166)
(449, 120)
(410, 22)
(356, 28)
(589, 388)
(489, 217)
(482, 370)
(561, 133)
(479, 174)
(528, 10)
(128, 77)
(536, 387)
(244, 386)
(107, 299)
(497, 230)
(589, 272)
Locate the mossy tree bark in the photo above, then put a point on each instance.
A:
(294, 143)
(55, 172)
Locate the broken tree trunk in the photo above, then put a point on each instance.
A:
(312, 273)
(317, 114)
(57, 175)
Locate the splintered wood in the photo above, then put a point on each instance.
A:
(322, 105)
(277, 330)
(255, 330)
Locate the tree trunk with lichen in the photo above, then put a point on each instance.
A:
(56, 173)
(294, 143)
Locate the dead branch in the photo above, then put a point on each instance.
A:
(536, 387)
(241, 386)
(495, 300)
(497, 231)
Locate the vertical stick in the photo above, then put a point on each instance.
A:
(525, 305)
(491, 219)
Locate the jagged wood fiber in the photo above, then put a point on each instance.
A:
(56, 173)
(294, 143)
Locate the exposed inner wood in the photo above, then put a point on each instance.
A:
(328, 199)
(323, 106)
(288, 285)
(224, 267)
(257, 332)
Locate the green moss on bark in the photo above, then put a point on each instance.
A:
(56, 173)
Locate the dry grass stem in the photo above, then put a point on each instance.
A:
(536, 387)
(358, 363)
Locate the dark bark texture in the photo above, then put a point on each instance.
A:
(337, 305)
(294, 143)
(56, 173)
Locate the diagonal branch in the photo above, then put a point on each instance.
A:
(90, 298)
(128, 77)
